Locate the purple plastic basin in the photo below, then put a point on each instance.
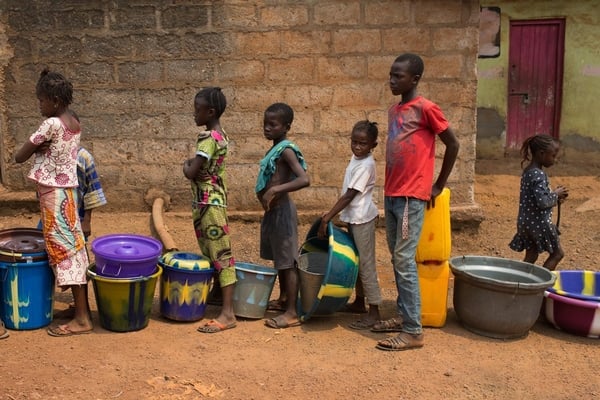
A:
(126, 255)
(579, 317)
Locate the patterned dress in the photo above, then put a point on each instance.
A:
(535, 229)
(209, 204)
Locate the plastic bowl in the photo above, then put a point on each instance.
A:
(579, 317)
(577, 284)
(498, 297)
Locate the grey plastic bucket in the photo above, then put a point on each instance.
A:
(252, 290)
(498, 297)
(311, 267)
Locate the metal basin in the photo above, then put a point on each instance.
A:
(498, 297)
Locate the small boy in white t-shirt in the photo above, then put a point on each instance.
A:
(360, 213)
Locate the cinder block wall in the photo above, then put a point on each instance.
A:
(136, 66)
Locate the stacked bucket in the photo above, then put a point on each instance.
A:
(26, 280)
(433, 253)
(124, 277)
(573, 303)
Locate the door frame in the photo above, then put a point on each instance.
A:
(559, 68)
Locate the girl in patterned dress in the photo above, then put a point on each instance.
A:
(535, 231)
(54, 146)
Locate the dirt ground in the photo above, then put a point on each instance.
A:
(323, 358)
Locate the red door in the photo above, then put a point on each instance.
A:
(535, 61)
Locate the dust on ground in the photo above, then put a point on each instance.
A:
(323, 358)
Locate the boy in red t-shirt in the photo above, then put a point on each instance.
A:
(413, 125)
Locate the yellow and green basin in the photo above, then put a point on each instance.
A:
(328, 270)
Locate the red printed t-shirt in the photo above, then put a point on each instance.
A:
(410, 149)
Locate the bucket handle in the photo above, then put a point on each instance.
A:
(106, 273)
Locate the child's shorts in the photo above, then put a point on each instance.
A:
(279, 236)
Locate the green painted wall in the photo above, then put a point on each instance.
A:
(580, 118)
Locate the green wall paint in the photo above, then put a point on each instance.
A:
(581, 79)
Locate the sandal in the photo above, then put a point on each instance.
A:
(404, 341)
(388, 325)
(361, 324)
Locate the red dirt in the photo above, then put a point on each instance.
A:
(323, 358)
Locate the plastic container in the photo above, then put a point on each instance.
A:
(126, 255)
(498, 297)
(311, 267)
(433, 282)
(183, 291)
(26, 294)
(579, 317)
(124, 305)
(435, 243)
(253, 289)
(22, 245)
(185, 260)
(578, 284)
(336, 260)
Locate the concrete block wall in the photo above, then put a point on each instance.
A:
(136, 66)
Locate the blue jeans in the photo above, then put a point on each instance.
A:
(403, 251)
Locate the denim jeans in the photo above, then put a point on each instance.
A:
(403, 251)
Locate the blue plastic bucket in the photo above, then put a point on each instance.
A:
(124, 304)
(183, 292)
(252, 290)
(26, 294)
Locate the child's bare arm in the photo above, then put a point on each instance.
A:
(25, 152)
(342, 203)
(192, 166)
(300, 181)
(452, 145)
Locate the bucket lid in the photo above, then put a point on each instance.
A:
(127, 247)
(19, 241)
(185, 260)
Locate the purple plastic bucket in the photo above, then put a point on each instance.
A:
(126, 255)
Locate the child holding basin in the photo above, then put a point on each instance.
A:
(360, 213)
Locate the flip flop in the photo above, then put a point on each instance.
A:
(4, 333)
(275, 305)
(389, 325)
(214, 326)
(404, 341)
(64, 330)
(361, 324)
(279, 322)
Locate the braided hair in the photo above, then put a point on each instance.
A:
(54, 85)
(534, 144)
(214, 97)
(367, 126)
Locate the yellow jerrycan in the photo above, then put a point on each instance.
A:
(435, 241)
(434, 277)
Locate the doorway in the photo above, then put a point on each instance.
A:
(536, 52)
